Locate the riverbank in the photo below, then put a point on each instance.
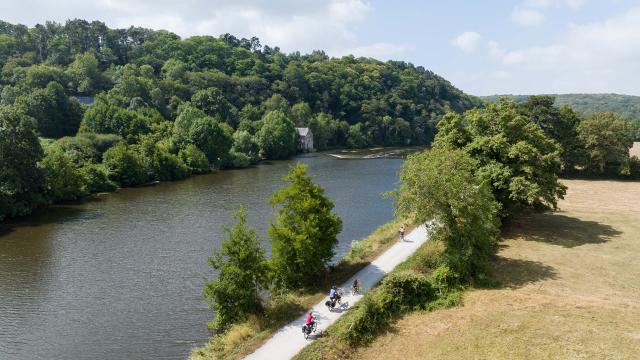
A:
(243, 339)
(569, 285)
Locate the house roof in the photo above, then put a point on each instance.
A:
(303, 131)
(85, 100)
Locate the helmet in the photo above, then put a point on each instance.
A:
(333, 287)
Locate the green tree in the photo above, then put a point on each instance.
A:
(243, 272)
(104, 117)
(62, 180)
(514, 155)
(214, 138)
(607, 138)
(195, 160)
(441, 185)
(20, 151)
(244, 143)
(39, 76)
(96, 179)
(560, 124)
(304, 232)
(159, 162)
(277, 137)
(86, 77)
(56, 113)
(124, 166)
(357, 138)
(301, 114)
(213, 103)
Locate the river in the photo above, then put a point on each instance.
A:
(121, 276)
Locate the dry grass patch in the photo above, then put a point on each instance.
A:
(570, 289)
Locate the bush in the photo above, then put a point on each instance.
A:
(239, 160)
(400, 292)
(62, 181)
(194, 159)
(87, 147)
(124, 166)
(96, 179)
(409, 290)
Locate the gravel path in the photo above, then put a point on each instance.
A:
(288, 341)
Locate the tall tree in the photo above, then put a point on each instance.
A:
(607, 138)
(514, 155)
(20, 151)
(277, 137)
(243, 272)
(441, 185)
(304, 232)
(560, 124)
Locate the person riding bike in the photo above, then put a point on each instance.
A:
(355, 287)
(311, 320)
(333, 295)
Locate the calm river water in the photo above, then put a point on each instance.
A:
(121, 277)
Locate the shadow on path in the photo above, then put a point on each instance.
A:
(562, 230)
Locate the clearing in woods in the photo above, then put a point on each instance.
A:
(570, 289)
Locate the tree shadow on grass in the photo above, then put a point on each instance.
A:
(516, 273)
(562, 230)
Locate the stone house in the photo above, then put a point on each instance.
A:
(305, 139)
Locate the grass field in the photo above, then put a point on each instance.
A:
(569, 289)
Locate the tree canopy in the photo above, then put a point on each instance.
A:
(607, 138)
(514, 154)
(304, 232)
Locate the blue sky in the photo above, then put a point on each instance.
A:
(482, 47)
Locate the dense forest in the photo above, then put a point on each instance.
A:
(85, 108)
(628, 106)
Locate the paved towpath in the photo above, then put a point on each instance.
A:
(288, 341)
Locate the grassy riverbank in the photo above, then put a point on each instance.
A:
(243, 338)
(406, 288)
(569, 288)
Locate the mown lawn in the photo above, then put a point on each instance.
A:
(569, 289)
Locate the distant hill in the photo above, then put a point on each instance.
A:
(626, 105)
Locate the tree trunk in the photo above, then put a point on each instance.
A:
(602, 166)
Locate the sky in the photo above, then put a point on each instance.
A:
(483, 47)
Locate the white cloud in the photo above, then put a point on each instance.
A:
(467, 41)
(593, 57)
(530, 12)
(527, 17)
(543, 4)
(292, 25)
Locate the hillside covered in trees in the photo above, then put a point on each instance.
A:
(628, 106)
(85, 108)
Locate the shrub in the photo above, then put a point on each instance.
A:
(124, 166)
(239, 160)
(96, 179)
(62, 181)
(194, 159)
(400, 292)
